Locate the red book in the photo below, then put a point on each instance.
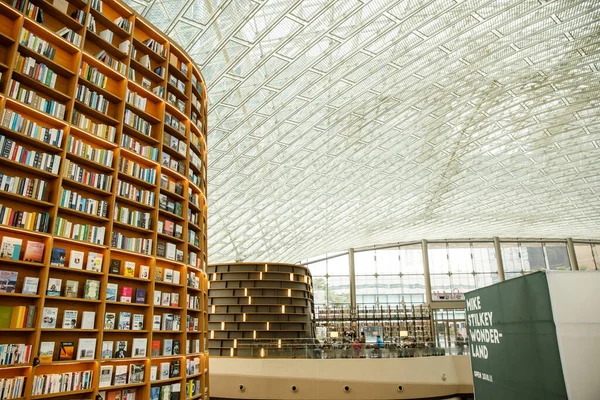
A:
(155, 348)
(126, 293)
(34, 251)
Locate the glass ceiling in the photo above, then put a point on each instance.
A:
(335, 124)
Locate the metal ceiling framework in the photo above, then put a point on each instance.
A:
(337, 124)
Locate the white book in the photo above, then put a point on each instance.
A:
(156, 323)
(157, 297)
(94, 262)
(107, 349)
(86, 349)
(70, 319)
(121, 375)
(171, 250)
(168, 275)
(138, 322)
(76, 259)
(46, 351)
(49, 317)
(164, 370)
(166, 299)
(153, 372)
(111, 291)
(106, 372)
(30, 285)
(88, 320)
(144, 272)
(139, 347)
(176, 277)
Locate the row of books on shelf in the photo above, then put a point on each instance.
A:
(79, 174)
(169, 251)
(170, 228)
(172, 142)
(132, 217)
(77, 259)
(112, 62)
(92, 99)
(134, 244)
(13, 151)
(12, 388)
(136, 122)
(126, 294)
(17, 317)
(100, 130)
(127, 268)
(11, 354)
(177, 83)
(176, 102)
(65, 382)
(33, 221)
(126, 374)
(137, 147)
(134, 99)
(27, 187)
(173, 163)
(70, 35)
(175, 123)
(37, 44)
(165, 392)
(53, 108)
(84, 232)
(193, 217)
(156, 47)
(87, 151)
(174, 207)
(76, 201)
(193, 280)
(92, 74)
(171, 185)
(11, 248)
(131, 168)
(125, 394)
(194, 178)
(91, 289)
(36, 70)
(166, 299)
(132, 192)
(16, 122)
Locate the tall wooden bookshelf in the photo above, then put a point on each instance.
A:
(103, 161)
(251, 302)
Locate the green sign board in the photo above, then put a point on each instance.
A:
(512, 341)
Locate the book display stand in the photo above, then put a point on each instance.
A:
(103, 240)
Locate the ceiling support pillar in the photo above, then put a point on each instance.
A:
(572, 255)
(352, 279)
(426, 271)
(499, 262)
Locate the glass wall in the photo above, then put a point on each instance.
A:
(395, 275)
(331, 281)
(588, 256)
(520, 258)
(457, 268)
(390, 276)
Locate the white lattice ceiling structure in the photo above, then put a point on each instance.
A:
(335, 124)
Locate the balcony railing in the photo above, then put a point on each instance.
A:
(307, 348)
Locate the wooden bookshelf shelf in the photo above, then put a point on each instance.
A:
(84, 129)
(62, 394)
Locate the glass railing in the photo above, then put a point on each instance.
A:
(314, 349)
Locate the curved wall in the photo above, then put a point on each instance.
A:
(257, 301)
(420, 378)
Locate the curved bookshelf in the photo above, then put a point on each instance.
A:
(254, 301)
(103, 240)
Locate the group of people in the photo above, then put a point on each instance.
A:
(359, 344)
